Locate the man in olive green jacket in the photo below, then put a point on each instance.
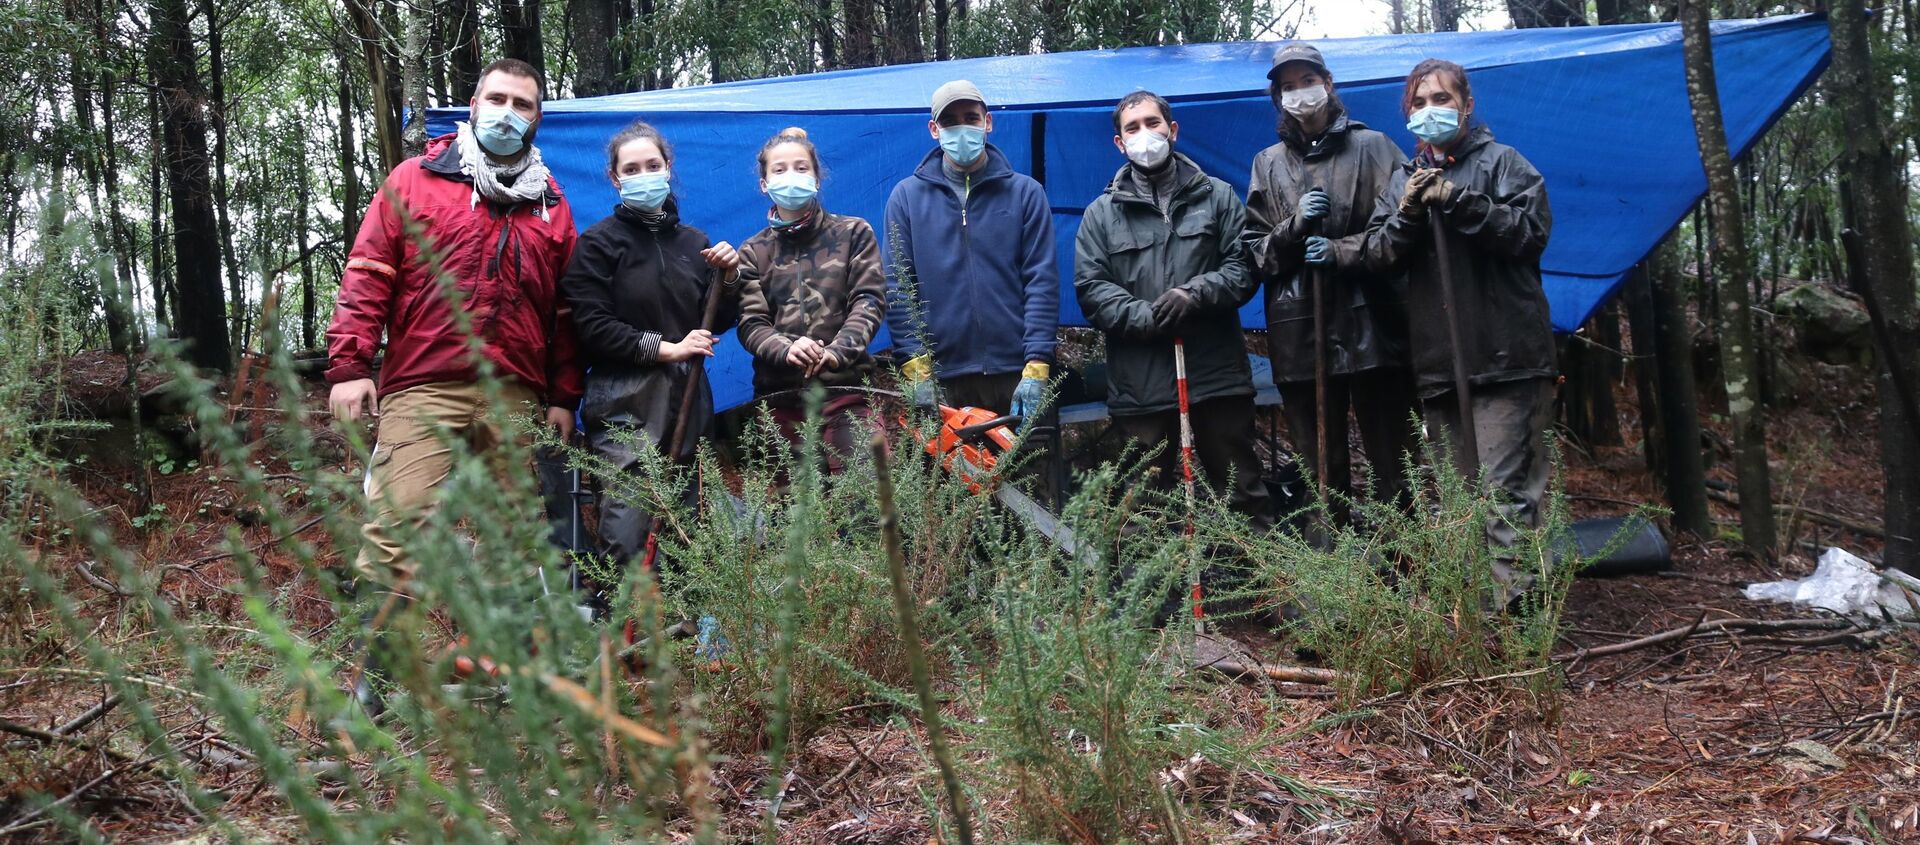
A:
(1159, 257)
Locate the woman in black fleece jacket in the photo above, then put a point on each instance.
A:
(638, 282)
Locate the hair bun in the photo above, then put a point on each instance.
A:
(793, 132)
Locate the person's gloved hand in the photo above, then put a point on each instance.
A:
(1315, 204)
(1413, 201)
(1031, 391)
(1173, 308)
(1437, 190)
(916, 377)
(1319, 251)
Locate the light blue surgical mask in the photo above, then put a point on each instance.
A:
(963, 144)
(792, 190)
(645, 191)
(500, 130)
(1436, 125)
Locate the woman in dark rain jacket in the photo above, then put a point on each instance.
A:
(1492, 207)
(638, 284)
(1308, 202)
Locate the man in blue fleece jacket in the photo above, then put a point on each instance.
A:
(973, 292)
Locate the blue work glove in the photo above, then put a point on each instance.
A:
(1027, 397)
(1319, 251)
(924, 394)
(1031, 391)
(1314, 204)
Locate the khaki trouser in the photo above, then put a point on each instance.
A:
(1509, 425)
(414, 455)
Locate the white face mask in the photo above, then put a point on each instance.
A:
(1304, 102)
(1148, 148)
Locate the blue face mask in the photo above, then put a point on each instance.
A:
(792, 190)
(645, 191)
(963, 144)
(500, 130)
(1436, 125)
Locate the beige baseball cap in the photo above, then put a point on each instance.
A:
(954, 92)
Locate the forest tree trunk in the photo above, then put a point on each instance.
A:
(350, 206)
(593, 30)
(1877, 207)
(1056, 31)
(309, 318)
(1638, 296)
(124, 247)
(1686, 473)
(520, 31)
(942, 37)
(1733, 270)
(413, 77)
(110, 287)
(157, 271)
(465, 61)
(824, 35)
(857, 46)
(1532, 14)
(369, 32)
(217, 117)
(903, 32)
(202, 305)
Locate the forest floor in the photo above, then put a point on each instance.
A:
(1749, 738)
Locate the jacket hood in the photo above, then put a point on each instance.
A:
(442, 158)
(1193, 181)
(933, 169)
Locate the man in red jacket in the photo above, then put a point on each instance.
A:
(481, 203)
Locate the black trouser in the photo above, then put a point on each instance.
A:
(993, 393)
(624, 525)
(1383, 401)
(1223, 436)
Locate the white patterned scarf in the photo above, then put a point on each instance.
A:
(509, 184)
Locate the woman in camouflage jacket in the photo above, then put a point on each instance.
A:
(812, 296)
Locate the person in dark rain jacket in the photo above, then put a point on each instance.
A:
(1308, 203)
(1492, 207)
(638, 284)
(812, 296)
(1158, 257)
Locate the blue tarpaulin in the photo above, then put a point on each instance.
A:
(1601, 111)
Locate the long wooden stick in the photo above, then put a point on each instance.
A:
(1701, 626)
(1320, 374)
(903, 606)
(696, 369)
(1279, 672)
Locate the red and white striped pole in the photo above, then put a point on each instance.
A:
(1186, 477)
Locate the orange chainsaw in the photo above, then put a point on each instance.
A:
(969, 443)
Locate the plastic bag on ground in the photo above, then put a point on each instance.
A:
(1842, 583)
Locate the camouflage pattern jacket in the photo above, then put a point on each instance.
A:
(821, 278)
